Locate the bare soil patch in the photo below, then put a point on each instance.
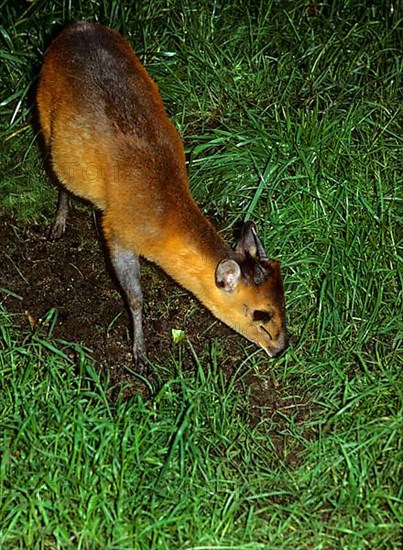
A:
(72, 275)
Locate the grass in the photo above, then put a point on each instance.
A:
(291, 115)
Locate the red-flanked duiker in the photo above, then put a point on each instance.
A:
(110, 141)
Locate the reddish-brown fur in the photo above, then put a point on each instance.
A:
(110, 142)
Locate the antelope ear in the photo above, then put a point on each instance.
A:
(250, 245)
(227, 275)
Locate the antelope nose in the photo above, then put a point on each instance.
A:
(282, 345)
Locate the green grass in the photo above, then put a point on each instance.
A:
(293, 119)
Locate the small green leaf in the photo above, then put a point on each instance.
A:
(177, 335)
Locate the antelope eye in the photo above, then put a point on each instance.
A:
(263, 316)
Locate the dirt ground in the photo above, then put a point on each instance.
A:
(72, 275)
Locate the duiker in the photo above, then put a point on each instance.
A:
(110, 141)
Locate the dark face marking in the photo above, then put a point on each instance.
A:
(266, 331)
(263, 316)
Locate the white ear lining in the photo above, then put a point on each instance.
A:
(228, 274)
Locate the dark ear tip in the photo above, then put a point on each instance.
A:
(248, 226)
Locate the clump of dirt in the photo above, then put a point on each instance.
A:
(73, 277)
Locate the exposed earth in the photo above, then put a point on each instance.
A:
(72, 277)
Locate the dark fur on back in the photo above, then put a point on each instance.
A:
(114, 86)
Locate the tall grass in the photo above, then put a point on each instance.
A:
(291, 115)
